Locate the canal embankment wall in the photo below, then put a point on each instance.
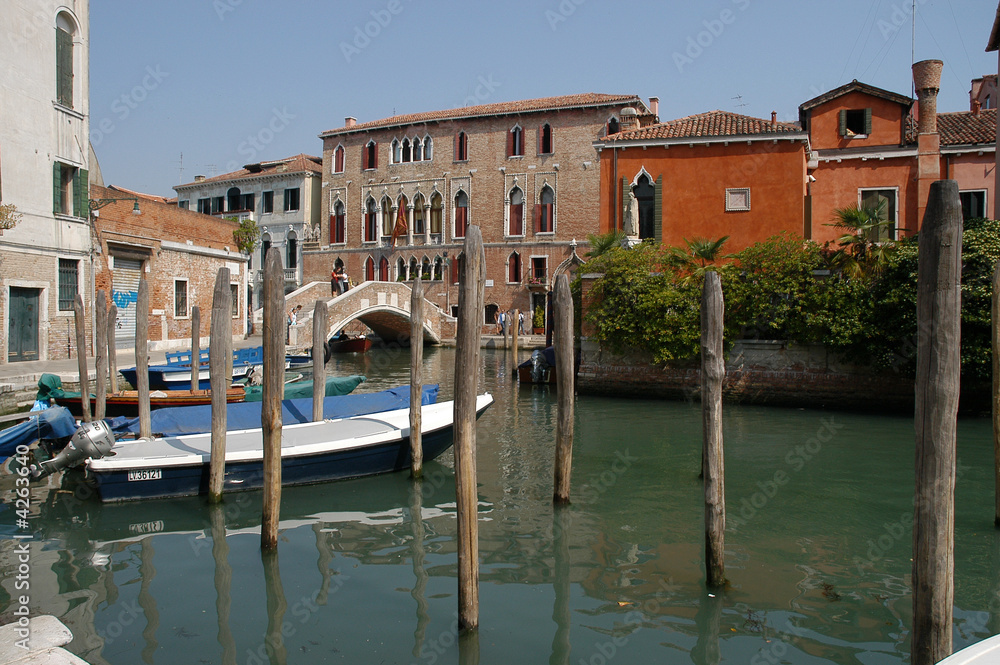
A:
(766, 372)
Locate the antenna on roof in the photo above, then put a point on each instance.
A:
(180, 170)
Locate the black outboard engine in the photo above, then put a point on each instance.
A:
(538, 366)
(93, 440)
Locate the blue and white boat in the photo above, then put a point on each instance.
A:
(176, 373)
(311, 452)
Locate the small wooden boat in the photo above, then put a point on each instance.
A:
(311, 452)
(126, 402)
(348, 344)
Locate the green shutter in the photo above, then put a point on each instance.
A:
(80, 193)
(64, 67)
(843, 122)
(624, 202)
(658, 210)
(868, 122)
(56, 187)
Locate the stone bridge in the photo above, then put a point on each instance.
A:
(382, 306)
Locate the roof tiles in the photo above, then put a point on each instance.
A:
(713, 123)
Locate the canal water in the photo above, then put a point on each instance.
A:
(818, 547)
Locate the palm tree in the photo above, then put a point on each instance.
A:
(699, 256)
(865, 248)
(603, 243)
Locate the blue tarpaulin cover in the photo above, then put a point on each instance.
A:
(246, 415)
(53, 423)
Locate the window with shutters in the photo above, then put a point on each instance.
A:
(205, 206)
(383, 270)
(234, 299)
(69, 190)
(69, 283)
(545, 211)
(539, 269)
(515, 213)
(515, 142)
(180, 298)
(338, 159)
(461, 214)
(369, 157)
(64, 60)
(371, 220)
(388, 219)
(437, 207)
(545, 140)
(218, 204)
(645, 196)
(291, 199)
(184, 205)
(369, 269)
(338, 226)
(247, 202)
(856, 123)
(461, 147)
(418, 215)
(613, 126)
(514, 268)
(884, 200)
(267, 202)
(400, 269)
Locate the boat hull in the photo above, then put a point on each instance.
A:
(126, 402)
(353, 345)
(149, 480)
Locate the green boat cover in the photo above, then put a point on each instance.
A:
(335, 386)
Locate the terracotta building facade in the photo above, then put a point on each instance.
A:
(399, 194)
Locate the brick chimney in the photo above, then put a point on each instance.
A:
(976, 107)
(654, 106)
(774, 119)
(350, 122)
(927, 81)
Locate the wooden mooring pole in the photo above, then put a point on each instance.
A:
(320, 323)
(101, 352)
(196, 341)
(113, 347)
(995, 320)
(81, 356)
(468, 337)
(416, 377)
(142, 358)
(565, 386)
(220, 359)
(271, 394)
(713, 467)
(939, 270)
(513, 343)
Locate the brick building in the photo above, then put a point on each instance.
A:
(45, 260)
(721, 174)
(282, 196)
(398, 194)
(178, 251)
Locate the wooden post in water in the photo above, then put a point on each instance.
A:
(320, 324)
(196, 341)
(713, 467)
(271, 394)
(565, 387)
(467, 340)
(513, 343)
(141, 358)
(113, 347)
(101, 353)
(220, 356)
(995, 316)
(416, 377)
(81, 356)
(939, 270)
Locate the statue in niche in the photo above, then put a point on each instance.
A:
(631, 222)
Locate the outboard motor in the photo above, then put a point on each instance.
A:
(538, 366)
(93, 440)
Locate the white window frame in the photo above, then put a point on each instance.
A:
(187, 297)
(733, 204)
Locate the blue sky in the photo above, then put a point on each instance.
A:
(230, 82)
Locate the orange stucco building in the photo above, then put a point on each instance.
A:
(722, 174)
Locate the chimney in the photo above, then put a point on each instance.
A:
(774, 119)
(927, 81)
(350, 122)
(199, 178)
(976, 106)
(654, 106)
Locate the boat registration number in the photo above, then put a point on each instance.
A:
(145, 474)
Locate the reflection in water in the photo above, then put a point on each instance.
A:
(223, 583)
(623, 564)
(276, 606)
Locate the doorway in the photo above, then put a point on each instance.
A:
(23, 324)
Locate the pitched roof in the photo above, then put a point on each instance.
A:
(301, 163)
(964, 128)
(856, 86)
(144, 197)
(589, 99)
(713, 123)
(994, 42)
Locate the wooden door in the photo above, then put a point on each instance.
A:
(23, 325)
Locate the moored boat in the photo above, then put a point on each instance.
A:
(345, 344)
(311, 453)
(126, 402)
(539, 368)
(176, 373)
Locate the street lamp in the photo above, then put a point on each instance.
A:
(97, 204)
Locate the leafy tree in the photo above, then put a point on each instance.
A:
(246, 236)
(9, 216)
(864, 249)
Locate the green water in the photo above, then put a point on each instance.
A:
(818, 548)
